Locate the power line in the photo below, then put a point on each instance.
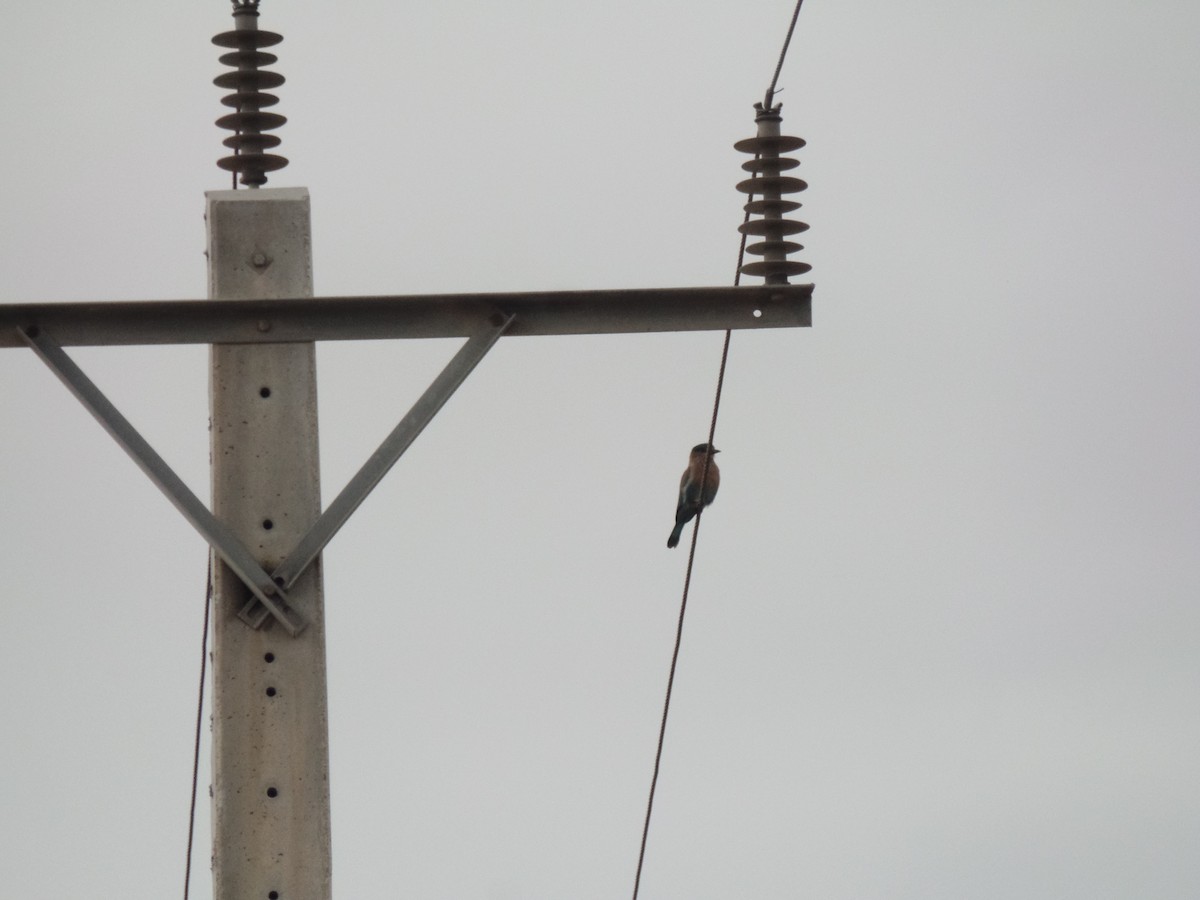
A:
(687, 582)
(187, 868)
(787, 41)
(712, 429)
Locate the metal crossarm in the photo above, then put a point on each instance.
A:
(417, 316)
(482, 318)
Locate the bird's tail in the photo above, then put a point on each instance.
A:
(673, 540)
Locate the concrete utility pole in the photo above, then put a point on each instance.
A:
(271, 832)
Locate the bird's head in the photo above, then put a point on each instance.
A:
(701, 449)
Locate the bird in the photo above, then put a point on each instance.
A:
(690, 500)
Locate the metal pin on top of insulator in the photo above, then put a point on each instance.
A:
(249, 98)
(770, 186)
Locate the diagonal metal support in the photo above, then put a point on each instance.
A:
(218, 536)
(381, 461)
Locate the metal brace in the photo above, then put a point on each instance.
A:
(268, 590)
(381, 461)
(218, 535)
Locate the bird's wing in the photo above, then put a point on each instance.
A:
(689, 492)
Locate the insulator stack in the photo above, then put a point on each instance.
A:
(770, 186)
(248, 82)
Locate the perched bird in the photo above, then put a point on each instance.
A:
(690, 501)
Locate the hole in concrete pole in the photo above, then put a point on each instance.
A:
(272, 792)
(264, 392)
(272, 895)
(270, 692)
(269, 657)
(268, 524)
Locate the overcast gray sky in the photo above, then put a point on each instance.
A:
(943, 631)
